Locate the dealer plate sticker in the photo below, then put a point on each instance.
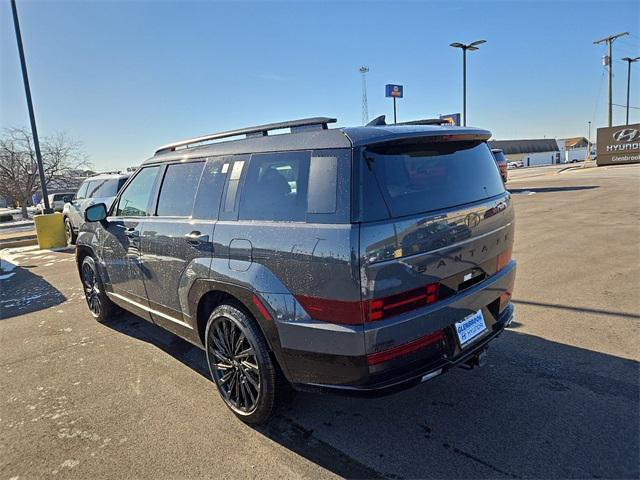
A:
(470, 327)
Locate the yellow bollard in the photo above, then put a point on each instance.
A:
(50, 230)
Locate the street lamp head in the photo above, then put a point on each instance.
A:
(457, 45)
(472, 48)
(477, 42)
(631, 60)
(364, 69)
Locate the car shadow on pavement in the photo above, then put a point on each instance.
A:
(552, 189)
(539, 408)
(22, 292)
(180, 349)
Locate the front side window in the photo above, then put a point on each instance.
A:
(276, 187)
(178, 189)
(134, 201)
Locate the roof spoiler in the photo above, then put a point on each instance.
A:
(381, 121)
(257, 131)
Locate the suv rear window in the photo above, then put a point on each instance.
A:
(65, 197)
(430, 176)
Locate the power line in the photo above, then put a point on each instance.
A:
(624, 106)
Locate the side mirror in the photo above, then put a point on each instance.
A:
(96, 213)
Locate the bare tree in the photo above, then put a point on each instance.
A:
(19, 178)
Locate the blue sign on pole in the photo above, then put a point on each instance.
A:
(394, 91)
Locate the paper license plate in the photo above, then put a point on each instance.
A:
(470, 328)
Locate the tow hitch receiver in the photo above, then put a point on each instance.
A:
(477, 360)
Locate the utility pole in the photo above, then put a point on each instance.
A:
(471, 47)
(629, 62)
(365, 107)
(32, 117)
(609, 41)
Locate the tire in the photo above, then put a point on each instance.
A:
(99, 304)
(68, 232)
(246, 376)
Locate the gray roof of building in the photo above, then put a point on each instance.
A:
(316, 139)
(525, 146)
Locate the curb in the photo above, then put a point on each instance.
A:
(21, 242)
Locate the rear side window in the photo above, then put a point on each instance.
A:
(178, 189)
(134, 201)
(430, 176)
(276, 187)
(210, 188)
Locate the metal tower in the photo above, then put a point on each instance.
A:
(365, 108)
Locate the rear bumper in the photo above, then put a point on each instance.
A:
(320, 355)
(412, 377)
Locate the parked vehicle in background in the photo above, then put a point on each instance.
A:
(100, 188)
(357, 260)
(574, 160)
(501, 161)
(511, 165)
(57, 201)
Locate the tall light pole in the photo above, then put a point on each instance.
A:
(589, 143)
(365, 108)
(629, 62)
(471, 46)
(32, 117)
(609, 41)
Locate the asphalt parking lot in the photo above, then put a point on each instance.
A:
(559, 396)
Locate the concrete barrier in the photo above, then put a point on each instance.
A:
(50, 230)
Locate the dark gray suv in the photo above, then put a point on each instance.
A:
(356, 260)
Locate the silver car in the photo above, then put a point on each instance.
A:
(100, 188)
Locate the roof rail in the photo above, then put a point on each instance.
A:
(108, 172)
(258, 131)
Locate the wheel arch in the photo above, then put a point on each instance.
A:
(206, 295)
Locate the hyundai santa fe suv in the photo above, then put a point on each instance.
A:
(357, 260)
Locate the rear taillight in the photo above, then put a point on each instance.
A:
(402, 302)
(357, 313)
(503, 259)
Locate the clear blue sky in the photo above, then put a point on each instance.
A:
(126, 77)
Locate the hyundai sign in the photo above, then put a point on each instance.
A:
(619, 145)
(394, 91)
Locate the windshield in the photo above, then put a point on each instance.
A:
(426, 177)
(107, 187)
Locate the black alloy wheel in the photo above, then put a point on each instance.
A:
(241, 365)
(99, 304)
